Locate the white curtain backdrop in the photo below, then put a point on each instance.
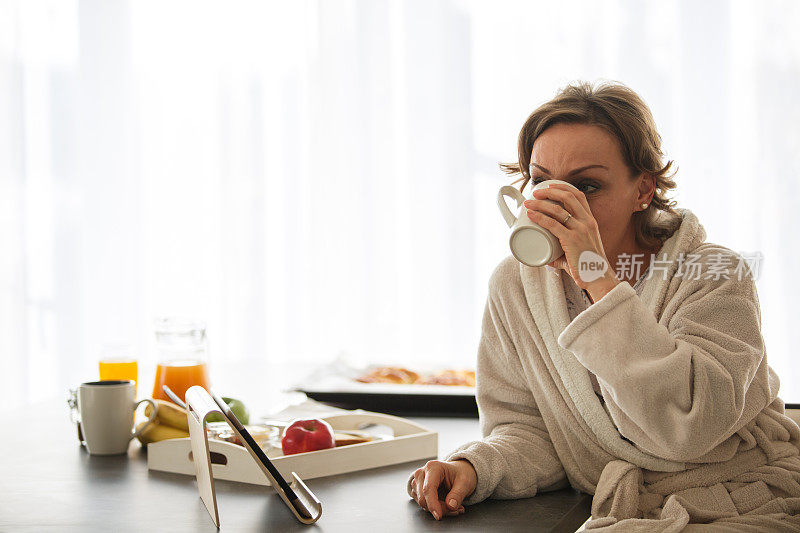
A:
(319, 177)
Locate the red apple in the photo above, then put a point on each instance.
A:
(307, 436)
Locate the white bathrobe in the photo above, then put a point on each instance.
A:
(694, 431)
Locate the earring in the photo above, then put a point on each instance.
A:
(644, 206)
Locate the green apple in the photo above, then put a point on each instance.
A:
(238, 408)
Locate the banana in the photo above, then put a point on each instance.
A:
(156, 432)
(169, 414)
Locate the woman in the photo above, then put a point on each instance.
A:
(649, 389)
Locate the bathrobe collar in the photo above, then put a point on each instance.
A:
(544, 293)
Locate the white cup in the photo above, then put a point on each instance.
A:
(106, 410)
(530, 243)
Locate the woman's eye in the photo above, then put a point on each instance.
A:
(585, 187)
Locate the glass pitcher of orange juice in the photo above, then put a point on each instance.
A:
(181, 356)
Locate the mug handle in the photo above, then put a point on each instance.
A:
(508, 190)
(150, 419)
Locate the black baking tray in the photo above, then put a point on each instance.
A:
(404, 404)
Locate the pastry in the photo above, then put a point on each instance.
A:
(389, 374)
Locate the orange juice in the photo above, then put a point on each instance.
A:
(118, 368)
(179, 376)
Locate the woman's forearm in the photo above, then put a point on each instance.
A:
(677, 391)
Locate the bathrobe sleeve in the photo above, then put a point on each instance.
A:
(515, 458)
(676, 387)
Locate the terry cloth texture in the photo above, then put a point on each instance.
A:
(578, 301)
(692, 433)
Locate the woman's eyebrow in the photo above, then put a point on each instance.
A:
(572, 173)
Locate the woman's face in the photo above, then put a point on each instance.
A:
(612, 195)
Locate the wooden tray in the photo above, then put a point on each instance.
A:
(412, 442)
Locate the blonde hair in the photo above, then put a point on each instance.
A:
(620, 111)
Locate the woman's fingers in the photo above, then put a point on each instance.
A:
(457, 512)
(434, 475)
(549, 223)
(575, 193)
(431, 485)
(419, 477)
(460, 490)
(554, 210)
(569, 199)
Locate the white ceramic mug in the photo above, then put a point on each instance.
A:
(107, 409)
(530, 243)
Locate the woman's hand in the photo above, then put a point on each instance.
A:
(578, 236)
(440, 486)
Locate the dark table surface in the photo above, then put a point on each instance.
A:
(50, 483)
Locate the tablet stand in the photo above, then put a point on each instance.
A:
(300, 500)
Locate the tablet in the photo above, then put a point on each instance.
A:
(305, 506)
(256, 450)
